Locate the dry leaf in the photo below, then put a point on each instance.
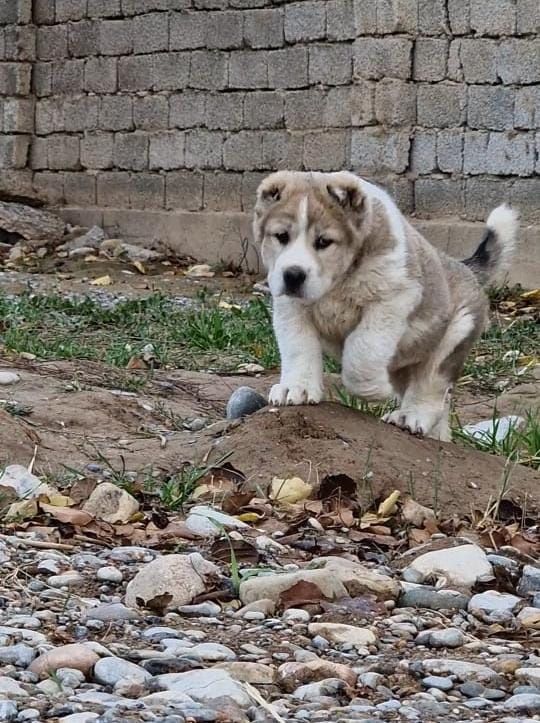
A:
(243, 551)
(67, 515)
(59, 500)
(200, 271)
(289, 490)
(140, 267)
(23, 510)
(136, 363)
(388, 506)
(533, 295)
(81, 489)
(300, 594)
(102, 281)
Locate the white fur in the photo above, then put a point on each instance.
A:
(504, 221)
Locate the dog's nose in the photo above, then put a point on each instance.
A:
(293, 277)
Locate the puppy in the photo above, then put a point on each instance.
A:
(351, 277)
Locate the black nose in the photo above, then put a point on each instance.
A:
(293, 278)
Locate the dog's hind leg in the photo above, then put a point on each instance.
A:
(425, 406)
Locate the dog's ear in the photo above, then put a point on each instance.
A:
(347, 193)
(269, 191)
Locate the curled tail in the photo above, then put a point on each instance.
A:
(494, 254)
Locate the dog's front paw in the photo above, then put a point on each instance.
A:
(295, 394)
(369, 387)
(414, 421)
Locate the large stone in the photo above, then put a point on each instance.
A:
(77, 656)
(425, 596)
(205, 685)
(462, 669)
(25, 484)
(253, 673)
(335, 577)
(529, 676)
(461, 566)
(32, 224)
(292, 675)
(493, 601)
(340, 633)
(174, 579)
(530, 580)
(108, 671)
(111, 503)
(530, 618)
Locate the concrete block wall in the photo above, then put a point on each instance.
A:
(149, 115)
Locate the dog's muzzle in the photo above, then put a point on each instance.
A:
(293, 279)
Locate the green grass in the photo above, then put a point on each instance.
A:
(202, 337)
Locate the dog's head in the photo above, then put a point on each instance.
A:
(310, 227)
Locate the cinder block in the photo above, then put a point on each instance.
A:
(100, 75)
(116, 113)
(401, 190)
(188, 31)
(518, 61)
(43, 11)
(475, 152)
(395, 103)
(136, 72)
(438, 197)
(211, 4)
(150, 33)
(450, 150)
(222, 191)
(104, 8)
(83, 38)
(374, 150)
(304, 109)
(116, 37)
(171, 71)
(41, 79)
(362, 103)
(484, 194)
(97, 150)
(528, 17)
(184, 190)
(49, 115)
(459, 16)
(51, 42)
(479, 60)
(113, 189)
(288, 68)
(524, 194)
(15, 79)
(264, 28)
(441, 105)
(454, 66)
(397, 16)
(151, 112)
(263, 110)
(282, 150)
(70, 10)
(340, 107)
(204, 149)
(209, 70)
(19, 43)
(330, 64)
(243, 151)
(67, 77)
(250, 183)
(63, 152)
(80, 189)
(19, 115)
(432, 17)
(487, 19)
(490, 107)
(225, 31)
(527, 107)
(49, 187)
(15, 11)
(340, 20)
(248, 69)
(305, 21)
(130, 151)
(326, 150)
(81, 113)
(167, 150)
(365, 17)
(147, 190)
(14, 151)
(424, 152)
(430, 56)
(511, 154)
(38, 151)
(187, 109)
(224, 111)
(376, 58)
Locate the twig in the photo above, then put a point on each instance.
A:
(254, 693)
(39, 544)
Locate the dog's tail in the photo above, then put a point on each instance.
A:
(493, 256)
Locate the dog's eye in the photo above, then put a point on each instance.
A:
(322, 243)
(283, 237)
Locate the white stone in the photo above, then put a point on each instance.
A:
(530, 676)
(340, 633)
(461, 566)
(26, 485)
(109, 574)
(7, 378)
(490, 430)
(462, 669)
(493, 601)
(205, 685)
(530, 618)
(207, 522)
(111, 504)
(10, 687)
(108, 671)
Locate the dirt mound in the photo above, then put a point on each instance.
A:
(312, 442)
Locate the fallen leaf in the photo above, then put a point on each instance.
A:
(300, 594)
(59, 500)
(102, 281)
(533, 295)
(243, 551)
(232, 504)
(388, 506)
(418, 536)
(200, 271)
(81, 489)
(140, 267)
(289, 490)
(23, 510)
(67, 515)
(157, 604)
(136, 363)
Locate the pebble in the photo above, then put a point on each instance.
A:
(20, 655)
(7, 378)
(449, 638)
(244, 401)
(435, 681)
(66, 579)
(110, 612)
(8, 710)
(109, 574)
(75, 655)
(110, 670)
(205, 685)
(205, 610)
(523, 702)
(461, 566)
(530, 580)
(111, 503)
(493, 601)
(424, 596)
(340, 633)
(295, 615)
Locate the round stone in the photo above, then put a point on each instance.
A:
(244, 401)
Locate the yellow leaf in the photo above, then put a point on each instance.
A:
(533, 295)
(140, 267)
(102, 281)
(59, 500)
(290, 490)
(200, 271)
(23, 510)
(248, 517)
(388, 507)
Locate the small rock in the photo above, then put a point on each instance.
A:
(177, 579)
(265, 606)
(109, 574)
(111, 503)
(207, 522)
(91, 239)
(531, 676)
(530, 618)
(424, 596)
(70, 677)
(462, 669)
(20, 655)
(110, 612)
(75, 655)
(79, 718)
(415, 513)
(66, 579)
(210, 651)
(523, 702)
(244, 401)
(108, 671)
(448, 638)
(493, 601)
(7, 378)
(472, 689)
(207, 609)
(205, 685)
(8, 710)
(10, 687)
(529, 583)
(312, 691)
(296, 615)
(436, 681)
(293, 675)
(26, 485)
(461, 566)
(253, 673)
(340, 633)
